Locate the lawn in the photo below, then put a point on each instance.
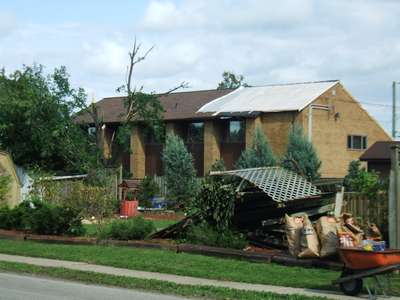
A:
(163, 287)
(177, 263)
(182, 264)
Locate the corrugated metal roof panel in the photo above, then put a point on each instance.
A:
(270, 98)
(280, 184)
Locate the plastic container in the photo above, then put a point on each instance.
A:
(129, 208)
(359, 259)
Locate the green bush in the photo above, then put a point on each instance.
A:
(148, 188)
(204, 234)
(41, 218)
(6, 220)
(215, 202)
(131, 229)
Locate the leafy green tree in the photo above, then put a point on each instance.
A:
(231, 81)
(36, 124)
(258, 155)
(360, 180)
(367, 183)
(301, 156)
(179, 172)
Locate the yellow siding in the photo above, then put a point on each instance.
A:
(276, 127)
(331, 128)
(212, 151)
(7, 168)
(138, 156)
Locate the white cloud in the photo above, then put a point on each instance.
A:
(107, 57)
(266, 41)
(233, 14)
(8, 23)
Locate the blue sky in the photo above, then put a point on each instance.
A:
(356, 41)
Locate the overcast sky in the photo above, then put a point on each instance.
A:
(356, 41)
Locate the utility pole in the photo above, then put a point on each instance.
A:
(394, 110)
(394, 198)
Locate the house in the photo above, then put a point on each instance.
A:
(378, 157)
(7, 168)
(220, 124)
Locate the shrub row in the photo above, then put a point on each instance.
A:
(41, 218)
(131, 229)
(204, 234)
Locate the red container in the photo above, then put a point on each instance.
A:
(129, 208)
(359, 259)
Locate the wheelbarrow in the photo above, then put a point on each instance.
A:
(360, 264)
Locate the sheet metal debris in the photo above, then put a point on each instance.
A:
(280, 184)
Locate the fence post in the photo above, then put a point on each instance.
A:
(339, 202)
(119, 182)
(394, 197)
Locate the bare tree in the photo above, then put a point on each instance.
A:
(139, 106)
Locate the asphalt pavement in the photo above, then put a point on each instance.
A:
(18, 287)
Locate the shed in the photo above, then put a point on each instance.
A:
(7, 168)
(378, 157)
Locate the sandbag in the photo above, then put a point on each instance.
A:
(309, 240)
(294, 227)
(327, 230)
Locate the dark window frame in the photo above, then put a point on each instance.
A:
(237, 136)
(193, 139)
(362, 143)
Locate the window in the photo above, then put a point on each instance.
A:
(235, 131)
(356, 142)
(195, 132)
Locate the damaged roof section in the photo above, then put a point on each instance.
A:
(278, 183)
(269, 98)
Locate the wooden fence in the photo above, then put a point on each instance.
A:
(367, 210)
(56, 189)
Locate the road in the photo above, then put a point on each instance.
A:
(18, 287)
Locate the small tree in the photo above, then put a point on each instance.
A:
(259, 155)
(231, 81)
(352, 172)
(301, 156)
(179, 172)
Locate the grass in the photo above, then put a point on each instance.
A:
(180, 264)
(159, 224)
(177, 263)
(162, 287)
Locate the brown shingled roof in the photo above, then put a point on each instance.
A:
(378, 151)
(178, 106)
